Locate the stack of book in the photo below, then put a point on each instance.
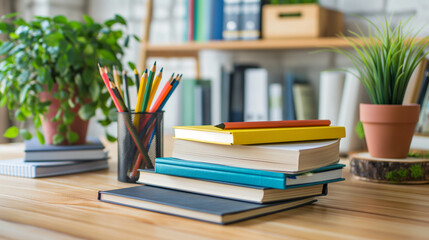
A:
(224, 176)
(52, 160)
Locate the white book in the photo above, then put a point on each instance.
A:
(276, 106)
(348, 116)
(19, 168)
(255, 94)
(330, 93)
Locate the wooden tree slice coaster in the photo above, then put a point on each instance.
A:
(388, 170)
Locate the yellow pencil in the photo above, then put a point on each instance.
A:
(139, 101)
(154, 88)
(117, 80)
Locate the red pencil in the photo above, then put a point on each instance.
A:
(274, 124)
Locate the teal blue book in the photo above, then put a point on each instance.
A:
(252, 177)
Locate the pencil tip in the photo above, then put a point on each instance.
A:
(222, 126)
(172, 75)
(154, 63)
(135, 71)
(161, 69)
(145, 71)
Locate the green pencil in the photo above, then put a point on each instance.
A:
(148, 87)
(126, 93)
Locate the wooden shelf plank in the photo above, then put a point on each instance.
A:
(191, 48)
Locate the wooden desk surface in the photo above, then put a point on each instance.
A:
(66, 207)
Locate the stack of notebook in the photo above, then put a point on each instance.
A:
(225, 176)
(51, 160)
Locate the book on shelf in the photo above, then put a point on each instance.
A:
(231, 20)
(275, 102)
(247, 176)
(217, 20)
(255, 94)
(330, 92)
(348, 115)
(250, 19)
(93, 149)
(229, 190)
(303, 98)
(21, 168)
(196, 102)
(288, 97)
(286, 157)
(193, 205)
(420, 142)
(414, 84)
(212, 134)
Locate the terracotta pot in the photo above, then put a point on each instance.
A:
(389, 129)
(50, 128)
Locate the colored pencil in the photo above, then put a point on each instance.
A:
(148, 86)
(137, 79)
(106, 82)
(139, 103)
(154, 88)
(175, 84)
(164, 92)
(126, 93)
(274, 124)
(117, 80)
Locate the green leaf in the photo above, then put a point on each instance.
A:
(10, 15)
(53, 39)
(19, 115)
(60, 19)
(86, 112)
(57, 116)
(120, 19)
(68, 117)
(72, 137)
(94, 90)
(6, 47)
(24, 76)
(11, 132)
(110, 138)
(107, 55)
(87, 76)
(109, 22)
(58, 138)
(62, 128)
(24, 92)
(25, 134)
(40, 137)
(37, 122)
(136, 38)
(126, 41)
(88, 19)
(132, 65)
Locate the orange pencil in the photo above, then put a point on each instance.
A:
(164, 92)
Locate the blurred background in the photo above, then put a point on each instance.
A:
(209, 75)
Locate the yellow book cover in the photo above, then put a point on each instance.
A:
(212, 134)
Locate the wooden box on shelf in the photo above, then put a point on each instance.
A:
(300, 20)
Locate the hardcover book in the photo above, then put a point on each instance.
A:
(252, 177)
(229, 190)
(194, 206)
(286, 157)
(212, 134)
(93, 149)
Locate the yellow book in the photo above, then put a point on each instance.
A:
(212, 134)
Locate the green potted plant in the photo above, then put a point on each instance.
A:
(48, 73)
(385, 61)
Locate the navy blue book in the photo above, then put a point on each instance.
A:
(252, 177)
(288, 100)
(240, 192)
(217, 20)
(194, 206)
(93, 149)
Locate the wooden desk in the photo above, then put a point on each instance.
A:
(66, 207)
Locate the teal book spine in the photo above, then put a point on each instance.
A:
(230, 177)
(236, 175)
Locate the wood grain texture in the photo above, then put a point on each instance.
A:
(66, 207)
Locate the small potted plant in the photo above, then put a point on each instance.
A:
(385, 61)
(48, 73)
